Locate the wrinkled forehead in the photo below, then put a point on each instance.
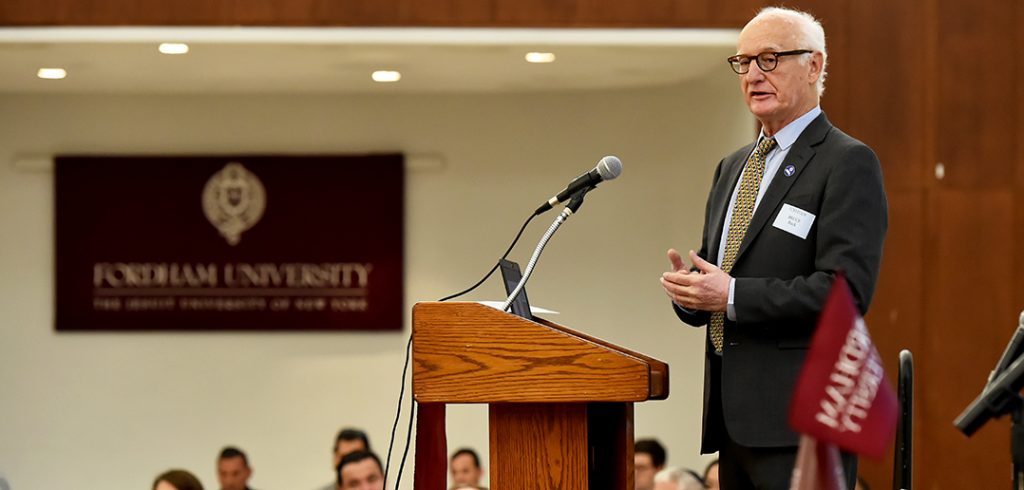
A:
(769, 33)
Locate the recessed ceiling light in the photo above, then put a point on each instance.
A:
(174, 48)
(537, 57)
(51, 73)
(385, 76)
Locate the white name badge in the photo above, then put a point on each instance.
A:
(794, 220)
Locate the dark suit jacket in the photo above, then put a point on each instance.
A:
(782, 280)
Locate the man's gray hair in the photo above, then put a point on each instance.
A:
(811, 35)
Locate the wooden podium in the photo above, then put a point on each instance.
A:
(561, 402)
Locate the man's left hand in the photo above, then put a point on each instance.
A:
(707, 291)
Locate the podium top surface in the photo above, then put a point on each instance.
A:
(471, 353)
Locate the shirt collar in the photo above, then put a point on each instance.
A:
(788, 135)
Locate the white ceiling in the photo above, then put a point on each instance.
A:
(340, 60)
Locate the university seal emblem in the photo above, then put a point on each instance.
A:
(233, 201)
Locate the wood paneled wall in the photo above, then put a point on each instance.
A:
(928, 82)
(508, 13)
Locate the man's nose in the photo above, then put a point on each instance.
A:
(754, 74)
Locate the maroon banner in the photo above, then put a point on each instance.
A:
(229, 243)
(842, 396)
(818, 467)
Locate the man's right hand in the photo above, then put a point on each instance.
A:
(678, 266)
(705, 289)
(677, 261)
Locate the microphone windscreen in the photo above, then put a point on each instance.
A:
(609, 167)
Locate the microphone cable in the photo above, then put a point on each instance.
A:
(405, 368)
(497, 264)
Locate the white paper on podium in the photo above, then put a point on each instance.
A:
(533, 309)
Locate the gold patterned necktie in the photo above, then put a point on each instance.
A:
(742, 211)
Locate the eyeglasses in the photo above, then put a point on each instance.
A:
(766, 61)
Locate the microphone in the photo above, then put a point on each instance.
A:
(607, 169)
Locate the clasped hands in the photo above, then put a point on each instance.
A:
(705, 289)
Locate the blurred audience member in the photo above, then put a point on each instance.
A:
(677, 479)
(648, 459)
(466, 470)
(347, 441)
(360, 470)
(177, 480)
(233, 469)
(711, 476)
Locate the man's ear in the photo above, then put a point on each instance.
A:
(817, 60)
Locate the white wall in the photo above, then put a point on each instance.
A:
(111, 410)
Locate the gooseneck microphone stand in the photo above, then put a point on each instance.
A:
(574, 205)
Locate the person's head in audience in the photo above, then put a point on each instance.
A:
(465, 468)
(349, 440)
(360, 470)
(648, 459)
(233, 469)
(861, 484)
(677, 479)
(711, 476)
(177, 480)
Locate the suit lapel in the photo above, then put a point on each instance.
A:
(799, 157)
(726, 185)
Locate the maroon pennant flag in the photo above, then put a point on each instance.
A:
(842, 396)
(818, 467)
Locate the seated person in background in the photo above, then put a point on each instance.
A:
(233, 469)
(465, 469)
(648, 459)
(360, 470)
(347, 441)
(177, 480)
(677, 479)
(711, 476)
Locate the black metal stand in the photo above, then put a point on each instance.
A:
(1001, 396)
(903, 461)
(1017, 442)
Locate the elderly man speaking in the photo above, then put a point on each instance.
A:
(785, 214)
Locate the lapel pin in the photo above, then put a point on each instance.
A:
(789, 171)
